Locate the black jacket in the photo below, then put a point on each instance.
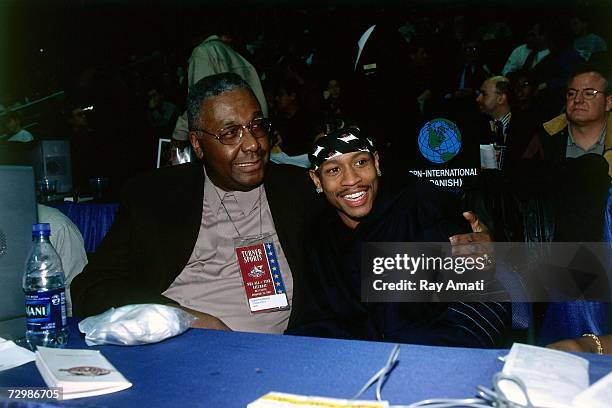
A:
(417, 213)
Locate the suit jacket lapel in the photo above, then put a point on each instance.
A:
(180, 230)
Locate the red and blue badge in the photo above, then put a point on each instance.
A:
(262, 277)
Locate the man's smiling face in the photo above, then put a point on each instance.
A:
(350, 183)
(238, 167)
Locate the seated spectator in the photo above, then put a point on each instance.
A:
(15, 131)
(377, 81)
(215, 55)
(523, 86)
(293, 70)
(161, 114)
(472, 73)
(83, 140)
(497, 43)
(363, 207)
(585, 127)
(508, 128)
(68, 242)
(553, 72)
(172, 241)
(421, 89)
(527, 56)
(582, 132)
(332, 98)
(586, 42)
(77, 120)
(294, 123)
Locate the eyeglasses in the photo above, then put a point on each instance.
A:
(587, 93)
(231, 135)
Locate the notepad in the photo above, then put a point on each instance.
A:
(80, 373)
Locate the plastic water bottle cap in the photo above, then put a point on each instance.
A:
(41, 228)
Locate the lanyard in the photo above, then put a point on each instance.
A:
(229, 217)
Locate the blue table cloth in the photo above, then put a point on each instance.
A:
(92, 219)
(205, 368)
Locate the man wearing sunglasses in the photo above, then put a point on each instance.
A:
(180, 236)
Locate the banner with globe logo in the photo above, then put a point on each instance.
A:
(440, 142)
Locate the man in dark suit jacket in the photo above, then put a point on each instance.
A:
(380, 87)
(160, 228)
(507, 128)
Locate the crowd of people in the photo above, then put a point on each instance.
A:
(358, 91)
(415, 65)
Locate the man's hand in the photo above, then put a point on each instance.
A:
(475, 243)
(480, 232)
(205, 321)
(571, 345)
(584, 344)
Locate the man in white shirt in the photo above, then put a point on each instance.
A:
(18, 134)
(586, 42)
(214, 56)
(528, 55)
(68, 242)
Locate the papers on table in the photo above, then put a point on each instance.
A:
(554, 379)
(11, 355)
(597, 395)
(81, 373)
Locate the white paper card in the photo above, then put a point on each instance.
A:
(553, 378)
(488, 158)
(599, 395)
(81, 373)
(11, 355)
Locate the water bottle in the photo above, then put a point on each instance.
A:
(43, 284)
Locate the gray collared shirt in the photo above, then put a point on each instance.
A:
(573, 150)
(211, 281)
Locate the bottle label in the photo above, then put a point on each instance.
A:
(46, 310)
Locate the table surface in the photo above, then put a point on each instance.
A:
(225, 369)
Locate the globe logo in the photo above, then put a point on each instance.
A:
(439, 140)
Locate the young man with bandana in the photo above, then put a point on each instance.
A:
(366, 208)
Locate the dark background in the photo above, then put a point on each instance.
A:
(73, 34)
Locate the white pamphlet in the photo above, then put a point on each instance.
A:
(80, 373)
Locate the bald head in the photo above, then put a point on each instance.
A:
(494, 97)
